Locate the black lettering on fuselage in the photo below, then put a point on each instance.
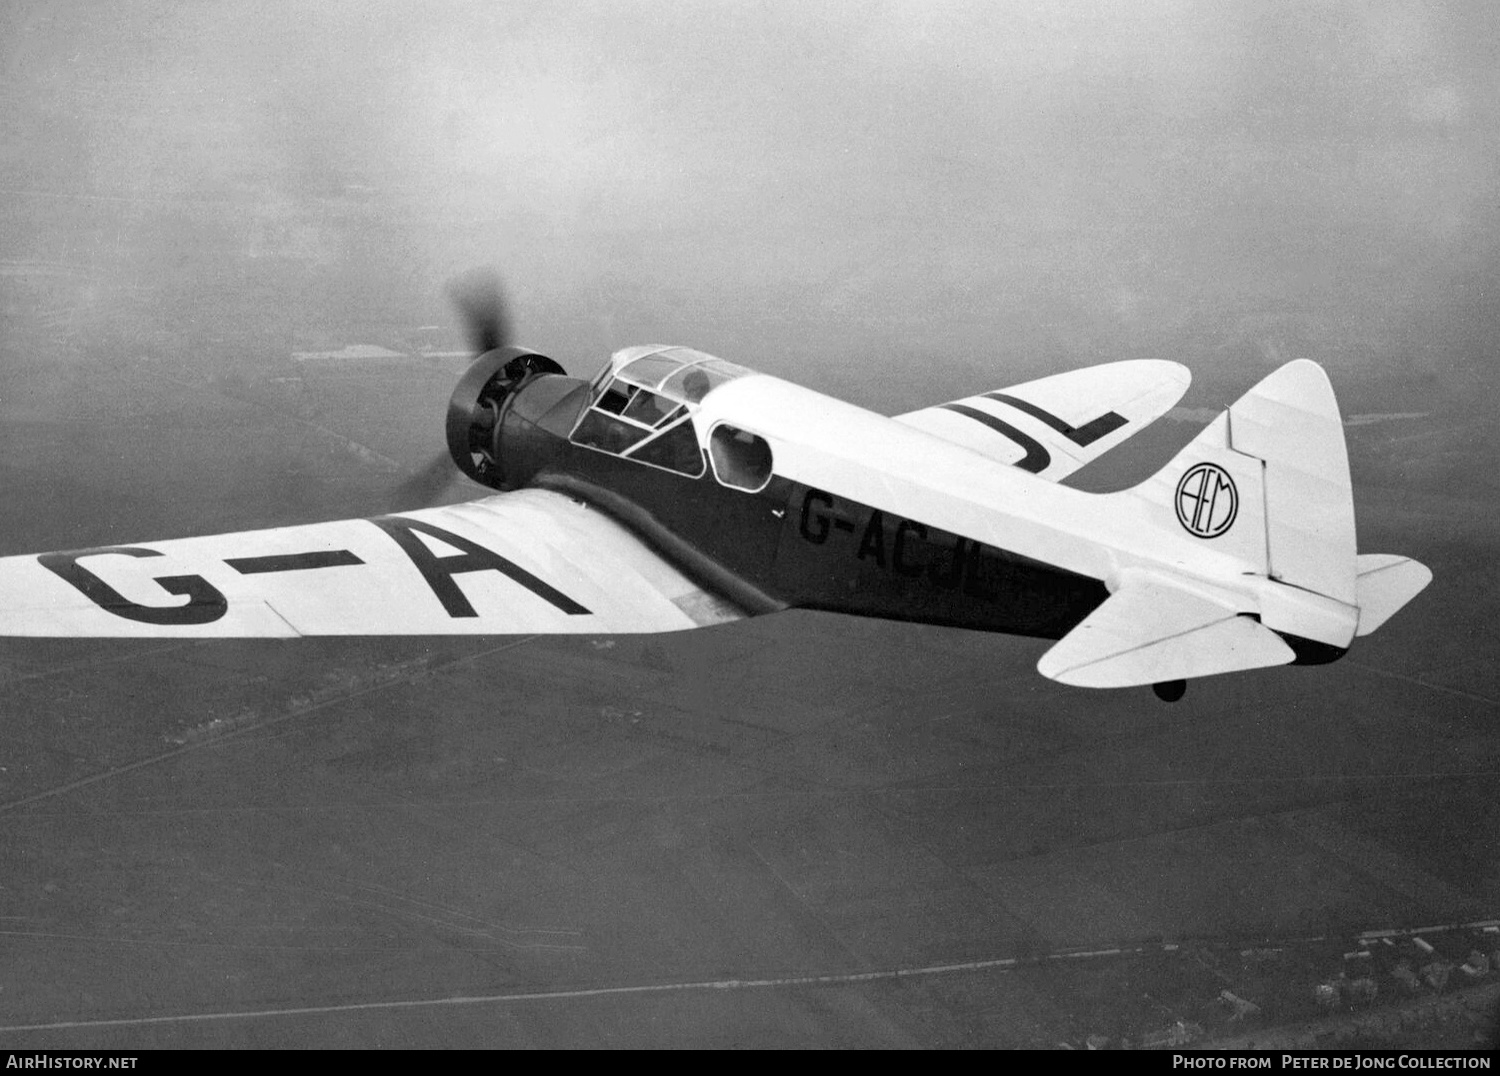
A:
(950, 576)
(821, 516)
(872, 544)
(439, 571)
(205, 603)
(815, 528)
(898, 547)
(978, 573)
(904, 569)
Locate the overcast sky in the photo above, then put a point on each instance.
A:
(833, 191)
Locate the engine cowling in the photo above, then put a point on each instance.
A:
(479, 401)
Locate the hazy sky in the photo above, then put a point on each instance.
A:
(828, 190)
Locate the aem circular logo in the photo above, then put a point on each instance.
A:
(1207, 501)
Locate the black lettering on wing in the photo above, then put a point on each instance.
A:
(293, 562)
(439, 571)
(205, 603)
(1037, 457)
(1082, 436)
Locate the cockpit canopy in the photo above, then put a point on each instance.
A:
(679, 373)
(641, 405)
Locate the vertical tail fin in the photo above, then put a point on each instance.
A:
(1265, 486)
(1291, 422)
(1268, 482)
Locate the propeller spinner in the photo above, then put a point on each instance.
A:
(474, 409)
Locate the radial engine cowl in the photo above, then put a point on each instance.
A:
(478, 401)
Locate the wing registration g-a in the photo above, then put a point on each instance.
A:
(676, 490)
(523, 563)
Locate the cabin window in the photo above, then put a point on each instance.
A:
(694, 382)
(675, 448)
(651, 370)
(649, 409)
(741, 459)
(616, 398)
(607, 433)
(640, 425)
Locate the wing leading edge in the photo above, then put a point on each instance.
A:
(1055, 425)
(530, 562)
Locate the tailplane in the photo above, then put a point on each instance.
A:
(1153, 631)
(1269, 575)
(1386, 582)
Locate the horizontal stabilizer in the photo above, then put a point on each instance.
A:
(1384, 584)
(1150, 631)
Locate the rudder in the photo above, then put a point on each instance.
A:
(1291, 422)
(1268, 483)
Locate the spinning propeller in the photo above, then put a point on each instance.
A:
(499, 367)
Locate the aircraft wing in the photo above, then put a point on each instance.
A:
(1055, 425)
(529, 562)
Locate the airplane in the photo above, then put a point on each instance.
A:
(676, 490)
